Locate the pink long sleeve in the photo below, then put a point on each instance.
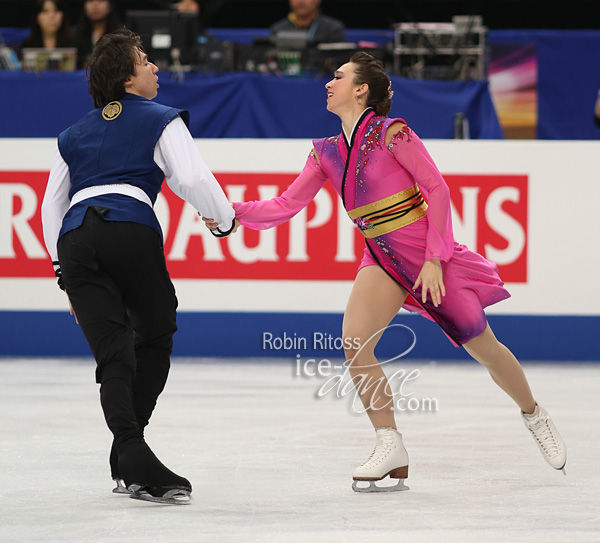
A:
(412, 155)
(263, 214)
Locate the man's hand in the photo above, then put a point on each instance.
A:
(212, 225)
(73, 312)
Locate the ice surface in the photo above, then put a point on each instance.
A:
(269, 460)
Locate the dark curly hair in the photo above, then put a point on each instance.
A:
(112, 62)
(369, 70)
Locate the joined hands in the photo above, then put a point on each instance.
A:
(212, 225)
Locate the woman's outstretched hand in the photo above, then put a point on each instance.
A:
(431, 279)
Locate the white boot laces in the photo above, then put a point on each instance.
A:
(385, 443)
(544, 436)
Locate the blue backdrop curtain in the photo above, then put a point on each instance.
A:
(244, 105)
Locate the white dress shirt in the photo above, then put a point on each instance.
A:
(186, 173)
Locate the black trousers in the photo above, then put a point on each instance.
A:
(118, 284)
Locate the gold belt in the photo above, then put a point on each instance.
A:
(390, 213)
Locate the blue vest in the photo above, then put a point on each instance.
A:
(116, 148)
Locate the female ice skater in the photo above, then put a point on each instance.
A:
(396, 196)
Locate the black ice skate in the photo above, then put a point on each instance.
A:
(161, 494)
(114, 472)
(120, 488)
(146, 478)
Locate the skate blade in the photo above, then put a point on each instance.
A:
(120, 488)
(372, 488)
(176, 496)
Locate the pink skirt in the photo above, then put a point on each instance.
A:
(472, 282)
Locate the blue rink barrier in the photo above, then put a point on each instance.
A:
(315, 335)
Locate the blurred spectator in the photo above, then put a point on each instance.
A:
(49, 26)
(597, 110)
(305, 16)
(98, 18)
(189, 6)
(194, 41)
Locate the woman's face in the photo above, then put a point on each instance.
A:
(96, 10)
(341, 91)
(50, 18)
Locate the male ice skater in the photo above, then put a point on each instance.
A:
(107, 249)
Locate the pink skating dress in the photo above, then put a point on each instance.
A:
(364, 171)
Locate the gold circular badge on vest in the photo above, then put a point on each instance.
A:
(111, 111)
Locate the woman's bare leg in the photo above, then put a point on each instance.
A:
(503, 367)
(373, 303)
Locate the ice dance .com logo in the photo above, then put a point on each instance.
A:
(361, 376)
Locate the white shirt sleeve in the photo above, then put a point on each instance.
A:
(188, 175)
(55, 203)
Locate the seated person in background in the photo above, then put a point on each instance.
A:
(189, 6)
(305, 16)
(98, 18)
(49, 28)
(191, 9)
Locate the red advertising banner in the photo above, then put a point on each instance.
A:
(320, 243)
(490, 217)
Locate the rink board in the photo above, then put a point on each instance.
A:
(246, 335)
(529, 206)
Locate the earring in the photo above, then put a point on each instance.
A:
(359, 100)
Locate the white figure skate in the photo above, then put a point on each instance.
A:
(547, 437)
(388, 458)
